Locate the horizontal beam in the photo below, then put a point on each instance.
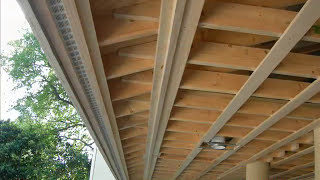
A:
(293, 157)
(275, 146)
(296, 168)
(228, 17)
(235, 57)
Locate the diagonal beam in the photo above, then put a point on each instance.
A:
(308, 175)
(294, 32)
(281, 113)
(293, 157)
(275, 146)
(178, 23)
(292, 170)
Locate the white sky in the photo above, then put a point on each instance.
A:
(12, 23)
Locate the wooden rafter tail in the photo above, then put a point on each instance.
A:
(295, 31)
(178, 23)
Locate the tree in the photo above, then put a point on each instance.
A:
(45, 99)
(30, 150)
(64, 140)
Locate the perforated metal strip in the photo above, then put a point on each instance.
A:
(63, 25)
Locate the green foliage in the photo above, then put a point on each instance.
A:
(316, 29)
(45, 104)
(31, 150)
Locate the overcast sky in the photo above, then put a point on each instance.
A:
(12, 23)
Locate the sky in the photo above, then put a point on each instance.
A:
(13, 22)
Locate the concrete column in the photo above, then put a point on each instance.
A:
(317, 153)
(257, 171)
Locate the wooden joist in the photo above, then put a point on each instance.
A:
(117, 66)
(293, 137)
(112, 31)
(235, 57)
(178, 23)
(294, 156)
(295, 31)
(289, 107)
(263, 21)
(167, 76)
(217, 82)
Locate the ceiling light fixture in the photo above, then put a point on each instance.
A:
(218, 143)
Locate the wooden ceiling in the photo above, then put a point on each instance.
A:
(180, 72)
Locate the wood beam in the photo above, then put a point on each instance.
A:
(112, 31)
(68, 61)
(178, 23)
(275, 146)
(293, 157)
(317, 153)
(235, 57)
(268, 3)
(264, 21)
(304, 176)
(295, 168)
(286, 109)
(295, 31)
(116, 66)
(217, 82)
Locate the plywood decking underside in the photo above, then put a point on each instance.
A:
(231, 40)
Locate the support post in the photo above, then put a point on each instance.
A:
(317, 153)
(257, 170)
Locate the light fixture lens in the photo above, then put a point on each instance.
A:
(218, 146)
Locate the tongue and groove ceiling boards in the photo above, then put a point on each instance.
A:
(173, 74)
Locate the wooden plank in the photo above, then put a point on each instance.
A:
(125, 108)
(295, 31)
(256, 106)
(228, 83)
(132, 132)
(293, 157)
(117, 66)
(273, 147)
(235, 57)
(247, 58)
(231, 84)
(131, 121)
(234, 38)
(304, 176)
(112, 31)
(263, 21)
(295, 168)
(268, 3)
(262, 128)
(120, 90)
(134, 141)
(178, 23)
